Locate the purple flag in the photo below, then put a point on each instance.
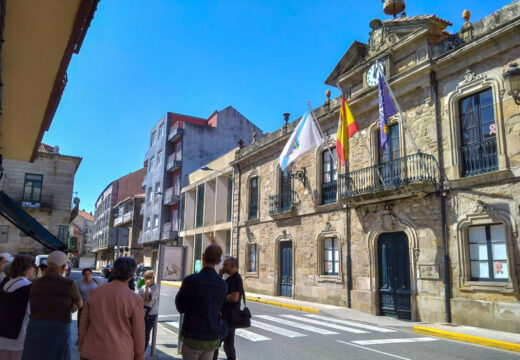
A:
(386, 109)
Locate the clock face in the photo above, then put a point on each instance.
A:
(373, 75)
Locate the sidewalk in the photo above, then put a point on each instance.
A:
(486, 337)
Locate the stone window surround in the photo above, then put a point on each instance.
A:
(252, 174)
(485, 215)
(328, 233)
(373, 138)
(471, 84)
(253, 274)
(329, 143)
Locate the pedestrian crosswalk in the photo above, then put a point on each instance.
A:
(268, 327)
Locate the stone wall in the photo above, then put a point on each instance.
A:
(58, 181)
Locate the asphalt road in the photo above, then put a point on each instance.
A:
(279, 333)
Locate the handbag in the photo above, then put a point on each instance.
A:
(240, 318)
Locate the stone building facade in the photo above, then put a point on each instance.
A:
(425, 232)
(43, 188)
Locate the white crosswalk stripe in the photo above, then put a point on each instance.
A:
(276, 329)
(393, 341)
(326, 324)
(297, 325)
(246, 334)
(249, 335)
(352, 323)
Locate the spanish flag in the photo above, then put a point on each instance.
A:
(346, 128)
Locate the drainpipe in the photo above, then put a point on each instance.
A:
(238, 211)
(442, 196)
(349, 260)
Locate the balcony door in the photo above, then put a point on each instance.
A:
(479, 142)
(389, 158)
(285, 191)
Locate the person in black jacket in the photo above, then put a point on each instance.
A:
(14, 307)
(200, 298)
(232, 303)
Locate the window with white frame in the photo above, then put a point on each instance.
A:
(147, 224)
(251, 258)
(331, 256)
(157, 193)
(161, 130)
(152, 140)
(488, 252)
(149, 195)
(155, 221)
(159, 157)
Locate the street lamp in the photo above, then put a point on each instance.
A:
(205, 168)
(512, 82)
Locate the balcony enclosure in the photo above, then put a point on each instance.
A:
(402, 177)
(176, 131)
(172, 195)
(174, 161)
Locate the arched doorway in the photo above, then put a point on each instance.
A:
(394, 275)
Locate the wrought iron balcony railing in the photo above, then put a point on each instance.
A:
(329, 192)
(282, 203)
(480, 158)
(416, 168)
(41, 202)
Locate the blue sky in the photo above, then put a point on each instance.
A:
(264, 58)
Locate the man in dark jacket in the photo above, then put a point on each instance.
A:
(200, 298)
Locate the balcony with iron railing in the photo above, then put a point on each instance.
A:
(403, 177)
(176, 131)
(123, 219)
(169, 231)
(479, 158)
(172, 195)
(42, 202)
(283, 204)
(174, 162)
(329, 192)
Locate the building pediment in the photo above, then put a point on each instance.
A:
(355, 55)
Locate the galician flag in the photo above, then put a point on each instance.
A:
(304, 138)
(346, 128)
(386, 109)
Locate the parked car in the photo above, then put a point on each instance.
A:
(107, 271)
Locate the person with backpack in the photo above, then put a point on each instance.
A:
(14, 307)
(53, 299)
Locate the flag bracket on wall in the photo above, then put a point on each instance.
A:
(300, 175)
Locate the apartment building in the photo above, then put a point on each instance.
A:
(179, 145)
(127, 215)
(106, 212)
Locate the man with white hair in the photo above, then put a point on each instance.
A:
(52, 300)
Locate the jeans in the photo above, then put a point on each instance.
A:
(229, 346)
(47, 340)
(149, 322)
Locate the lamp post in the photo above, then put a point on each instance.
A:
(512, 81)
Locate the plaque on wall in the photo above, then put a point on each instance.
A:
(429, 272)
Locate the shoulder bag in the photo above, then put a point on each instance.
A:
(240, 318)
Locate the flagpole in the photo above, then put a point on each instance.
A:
(403, 119)
(319, 129)
(364, 143)
(398, 106)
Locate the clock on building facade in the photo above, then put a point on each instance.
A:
(373, 74)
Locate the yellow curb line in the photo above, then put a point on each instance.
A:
(268, 302)
(284, 305)
(468, 338)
